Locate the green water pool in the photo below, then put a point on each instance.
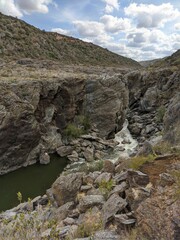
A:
(31, 181)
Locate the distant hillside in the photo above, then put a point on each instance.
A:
(173, 60)
(148, 62)
(21, 40)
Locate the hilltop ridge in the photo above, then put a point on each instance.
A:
(21, 40)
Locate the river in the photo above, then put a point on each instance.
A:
(31, 181)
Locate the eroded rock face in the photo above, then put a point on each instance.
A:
(19, 130)
(106, 102)
(158, 216)
(33, 114)
(154, 104)
(172, 121)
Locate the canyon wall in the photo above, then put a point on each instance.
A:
(34, 114)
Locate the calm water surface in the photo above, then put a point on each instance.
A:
(31, 181)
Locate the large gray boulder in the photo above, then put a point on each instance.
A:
(65, 188)
(89, 201)
(113, 205)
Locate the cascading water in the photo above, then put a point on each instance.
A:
(127, 145)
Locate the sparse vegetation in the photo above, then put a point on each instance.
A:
(105, 187)
(92, 223)
(176, 175)
(19, 197)
(137, 162)
(80, 126)
(160, 114)
(162, 148)
(17, 38)
(72, 131)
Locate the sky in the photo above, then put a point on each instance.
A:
(141, 30)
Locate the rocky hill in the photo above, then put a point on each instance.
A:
(21, 40)
(171, 61)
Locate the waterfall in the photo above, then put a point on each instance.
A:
(127, 145)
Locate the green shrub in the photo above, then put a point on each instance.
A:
(80, 126)
(106, 187)
(160, 114)
(84, 121)
(73, 131)
(137, 162)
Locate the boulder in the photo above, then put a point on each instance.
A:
(64, 151)
(119, 189)
(103, 177)
(63, 211)
(108, 166)
(88, 154)
(66, 187)
(90, 201)
(166, 179)
(135, 196)
(106, 235)
(115, 204)
(74, 157)
(44, 158)
(137, 178)
(90, 178)
(146, 149)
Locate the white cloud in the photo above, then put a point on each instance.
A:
(111, 5)
(113, 24)
(61, 31)
(152, 16)
(19, 7)
(89, 28)
(177, 26)
(142, 37)
(29, 6)
(10, 8)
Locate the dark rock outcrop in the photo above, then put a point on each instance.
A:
(34, 114)
(153, 104)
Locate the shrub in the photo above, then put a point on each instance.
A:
(105, 187)
(73, 131)
(160, 114)
(137, 162)
(92, 223)
(80, 126)
(84, 121)
(162, 148)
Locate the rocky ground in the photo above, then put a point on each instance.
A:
(107, 204)
(75, 111)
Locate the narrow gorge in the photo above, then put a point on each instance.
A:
(89, 140)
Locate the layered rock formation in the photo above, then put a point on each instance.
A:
(154, 104)
(34, 113)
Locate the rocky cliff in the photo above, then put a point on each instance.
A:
(35, 113)
(154, 104)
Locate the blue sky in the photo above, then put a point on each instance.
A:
(141, 30)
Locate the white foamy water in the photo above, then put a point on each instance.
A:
(127, 144)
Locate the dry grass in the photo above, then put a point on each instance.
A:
(137, 162)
